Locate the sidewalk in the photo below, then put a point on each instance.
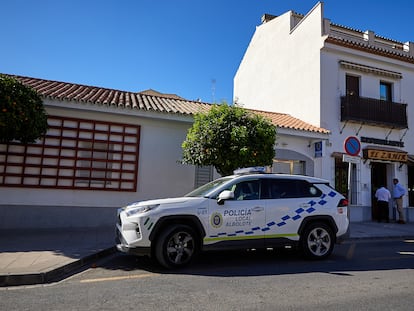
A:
(44, 256)
(38, 257)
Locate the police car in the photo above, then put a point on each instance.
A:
(247, 210)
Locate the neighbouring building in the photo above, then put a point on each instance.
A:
(356, 84)
(106, 148)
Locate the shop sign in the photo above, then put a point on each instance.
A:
(385, 155)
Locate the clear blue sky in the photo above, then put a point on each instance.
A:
(191, 48)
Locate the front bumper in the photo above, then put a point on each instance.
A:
(122, 246)
(137, 251)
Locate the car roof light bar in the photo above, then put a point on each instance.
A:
(251, 170)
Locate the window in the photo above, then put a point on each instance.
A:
(289, 188)
(352, 86)
(75, 154)
(95, 162)
(385, 91)
(247, 190)
(294, 167)
(341, 179)
(203, 175)
(341, 176)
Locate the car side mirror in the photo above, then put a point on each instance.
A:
(225, 195)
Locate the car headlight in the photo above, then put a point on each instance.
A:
(141, 209)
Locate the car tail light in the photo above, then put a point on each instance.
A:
(342, 206)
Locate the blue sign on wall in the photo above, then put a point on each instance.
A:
(318, 149)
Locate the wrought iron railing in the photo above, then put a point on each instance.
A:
(374, 111)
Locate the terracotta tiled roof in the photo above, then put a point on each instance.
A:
(287, 121)
(102, 96)
(149, 100)
(370, 49)
(384, 47)
(152, 92)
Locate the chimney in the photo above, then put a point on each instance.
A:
(267, 18)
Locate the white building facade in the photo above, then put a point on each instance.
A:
(355, 84)
(94, 159)
(106, 148)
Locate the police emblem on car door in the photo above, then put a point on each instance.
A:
(240, 219)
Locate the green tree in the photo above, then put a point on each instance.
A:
(22, 115)
(229, 137)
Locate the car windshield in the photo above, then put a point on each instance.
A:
(206, 189)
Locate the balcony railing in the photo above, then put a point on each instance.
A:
(374, 111)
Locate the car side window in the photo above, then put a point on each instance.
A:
(247, 190)
(289, 188)
(272, 189)
(308, 190)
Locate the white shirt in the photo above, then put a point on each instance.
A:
(383, 194)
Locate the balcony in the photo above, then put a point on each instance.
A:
(374, 112)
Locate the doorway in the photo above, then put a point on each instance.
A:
(378, 179)
(352, 86)
(410, 185)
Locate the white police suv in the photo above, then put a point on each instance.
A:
(242, 211)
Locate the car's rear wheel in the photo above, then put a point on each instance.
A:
(176, 246)
(317, 241)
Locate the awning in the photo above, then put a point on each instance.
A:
(369, 69)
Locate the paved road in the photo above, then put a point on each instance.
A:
(46, 256)
(361, 275)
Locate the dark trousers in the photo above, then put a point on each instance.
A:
(383, 213)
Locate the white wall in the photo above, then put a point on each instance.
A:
(159, 174)
(301, 144)
(280, 70)
(333, 87)
(296, 72)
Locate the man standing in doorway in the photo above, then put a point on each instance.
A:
(383, 196)
(397, 194)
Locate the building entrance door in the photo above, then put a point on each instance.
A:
(378, 179)
(411, 185)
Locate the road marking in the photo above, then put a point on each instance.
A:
(406, 253)
(117, 278)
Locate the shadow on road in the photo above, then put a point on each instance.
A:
(346, 258)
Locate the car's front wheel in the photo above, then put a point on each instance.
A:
(176, 246)
(317, 241)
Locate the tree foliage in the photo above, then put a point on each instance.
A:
(22, 114)
(229, 137)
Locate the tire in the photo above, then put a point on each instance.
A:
(176, 246)
(317, 241)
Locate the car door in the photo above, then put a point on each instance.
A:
(288, 202)
(238, 222)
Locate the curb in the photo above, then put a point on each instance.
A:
(55, 274)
